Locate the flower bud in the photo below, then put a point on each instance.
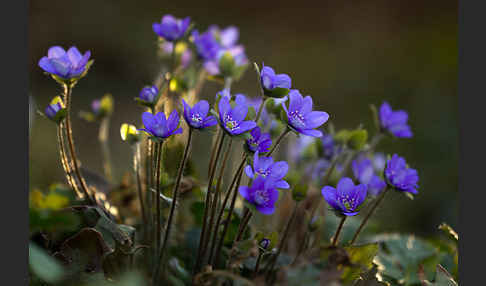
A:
(56, 111)
(357, 139)
(299, 192)
(129, 133)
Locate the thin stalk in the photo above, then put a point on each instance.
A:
(228, 217)
(301, 247)
(136, 169)
(260, 109)
(273, 260)
(69, 133)
(65, 162)
(215, 204)
(277, 142)
(206, 207)
(257, 265)
(103, 138)
(172, 207)
(338, 231)
(365, 220)
(219, 133)
(157, 181)
(241, 230)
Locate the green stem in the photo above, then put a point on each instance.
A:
(273, 260)
(257, 265)
(365, 220)
(173, 206)
(213, 151)
(278, 141)
(230, 213)
(206, 207)
(260, 109)
(69, 133)
(338, 232)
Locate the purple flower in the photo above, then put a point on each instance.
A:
(274, 85)
(329, 147)
(363, 171)
(56, 110)
(394, 121)
(301, 117)
(297, 149)
(67, 65)
(207, 47)
(197, 116)
(228, 37)
(346, 198)
(259, 141)
(262, 194)
(399, 176)
(149, 95)
(96, 106)
(232, 119)
(160, 127)
(223, 93)
(227, 61)
(265, 167)
(379, 161)
(171, 28)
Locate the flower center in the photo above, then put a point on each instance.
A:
(263, 172)
(349, 203)
(231, 124)
(297, 119)
(196, 118)
(261, 197)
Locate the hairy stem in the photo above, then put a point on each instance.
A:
(65, 161)
(230, 213)
(278, 141)
(136, 169)
(69, 133)
(257, 265)
(365, 220)
(103, 138)
(206, 207)
(338, 231)
(157, 200)
(173, 206)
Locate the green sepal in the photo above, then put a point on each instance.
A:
(277, 92)
(144, 103)
(357, 139)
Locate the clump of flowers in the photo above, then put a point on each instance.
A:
(221, 237)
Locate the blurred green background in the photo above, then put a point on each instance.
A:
(346, 54)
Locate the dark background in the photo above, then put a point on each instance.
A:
(346, 54)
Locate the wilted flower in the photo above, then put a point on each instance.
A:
(171, 28)
(399, 176)
(363, 170)
(56, 111)
(232, 119)
(262, 194)
(346, 198)
(259, 141)
(394, 121)
(159, 127)
(265, 167)
(197, 116)
(301, 117)
(274, 85)
(66, 65)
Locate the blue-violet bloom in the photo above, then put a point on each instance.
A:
(394, 121)
(56, 110)
(399, 176)
(171, 28)
(271, 81)
(67, 65)
(301, 117)
(160, 127)
(365, 173)
(346, 198)
(232, 119)
(149, 94)
(262, 194)
(197, 116)
(265, 167)
(259, 141)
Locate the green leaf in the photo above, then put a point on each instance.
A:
(43, 265)
(362, 259)
(442, 278)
